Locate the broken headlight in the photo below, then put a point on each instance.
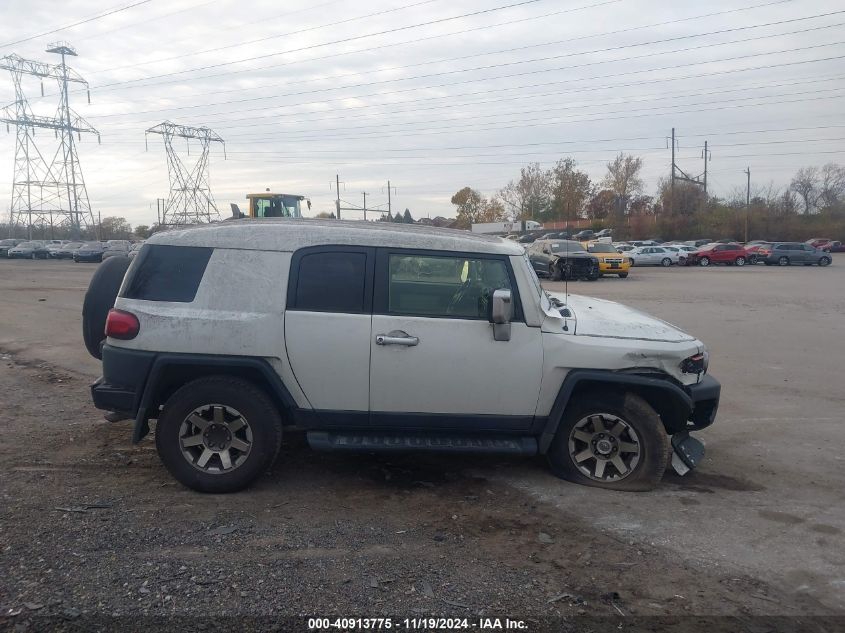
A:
(696, 364)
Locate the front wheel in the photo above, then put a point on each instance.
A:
(554, 273)
(740, 261)
(613, 441)
(666, 262)
(623, 275)
(824, 261)
(705, 261)
(218, 434)
(752, 259)
(632, 261)
(783, 261)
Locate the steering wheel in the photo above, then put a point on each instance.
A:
(459, 295)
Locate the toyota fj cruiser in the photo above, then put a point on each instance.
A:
(383, 337)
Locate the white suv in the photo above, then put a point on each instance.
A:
(384, 337)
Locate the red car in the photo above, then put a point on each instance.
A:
(757, 252)
(719, 254)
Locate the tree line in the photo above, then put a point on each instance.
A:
(812, 205)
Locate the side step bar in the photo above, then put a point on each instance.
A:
(403, 442)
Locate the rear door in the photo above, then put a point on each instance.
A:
(440, 367)
(327, 328)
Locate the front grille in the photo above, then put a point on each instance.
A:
(612, 261)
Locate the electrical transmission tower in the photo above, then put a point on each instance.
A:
(47, 188)
(680, 174)
(190, 200)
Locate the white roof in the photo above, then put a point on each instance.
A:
(277, 234)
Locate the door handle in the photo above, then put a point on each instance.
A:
(397, 337)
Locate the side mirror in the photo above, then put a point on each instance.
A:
(501, 313)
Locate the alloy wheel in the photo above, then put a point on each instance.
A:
(215, 438)
(604, 447)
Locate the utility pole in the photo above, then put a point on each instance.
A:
(706, 159)
(337, 190)
(389, 208)
(747, 201)
(365, 205)
(672, 200)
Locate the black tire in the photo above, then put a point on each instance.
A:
(783, 261)
(752, 259)
(824, 261)
(740, 261)
(254, 406)
(623, 275)
(554, 272)
(99, 299)
(632, 261)
(636, 414)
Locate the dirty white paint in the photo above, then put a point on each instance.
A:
(282, 234)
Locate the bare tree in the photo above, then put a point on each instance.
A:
(832, 187)
(623, 177)
(571, 189)
(806, 185)
(529, 196)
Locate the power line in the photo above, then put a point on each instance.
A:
(551, 43)
(341, 41)
(272, 37)
(511, 75)
(470, 30)
(80, 22)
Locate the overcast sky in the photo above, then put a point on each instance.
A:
(435, 95)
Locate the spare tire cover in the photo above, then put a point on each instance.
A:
(99, 299)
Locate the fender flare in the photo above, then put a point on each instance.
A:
(678, 403)
(206, 365)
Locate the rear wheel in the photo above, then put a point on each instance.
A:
(783, 261)
(632, 260)
(218, 434)
(824, 261)
(740, 261)
(752, 259)
(666, 262)
(614, 441)
(704, 261)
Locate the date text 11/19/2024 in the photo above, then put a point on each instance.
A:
(416, 624)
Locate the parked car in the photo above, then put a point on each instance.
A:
(608, 394)
(611, 262)
(820, 242)
(29, 250)
(137, 247)
(793, 253)
(624, 248)
(718, 253)
(89, 252)
(604, 233)
(674, 252)
(117, 249)
(651, 256)
(756, 251)
(584, 236)
(837, 247)
(684, 252)
(699, 242)
(563, 259)
(66, 251)
(7, 244)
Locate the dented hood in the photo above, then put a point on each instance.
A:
(599, 317)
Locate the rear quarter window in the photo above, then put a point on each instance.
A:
(166, 273)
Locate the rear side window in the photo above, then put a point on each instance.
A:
(167, 273)
(331, 282)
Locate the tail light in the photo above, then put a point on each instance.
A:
(122, 325)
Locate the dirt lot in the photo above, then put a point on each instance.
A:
(92, 526)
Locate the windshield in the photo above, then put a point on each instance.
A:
(96, 245)
(535, 281)
(567, 246)
(602, 248)
(28, 245)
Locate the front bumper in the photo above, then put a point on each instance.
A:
(613, 269)
(705, 403)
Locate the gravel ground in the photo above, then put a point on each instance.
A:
(94, 534)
